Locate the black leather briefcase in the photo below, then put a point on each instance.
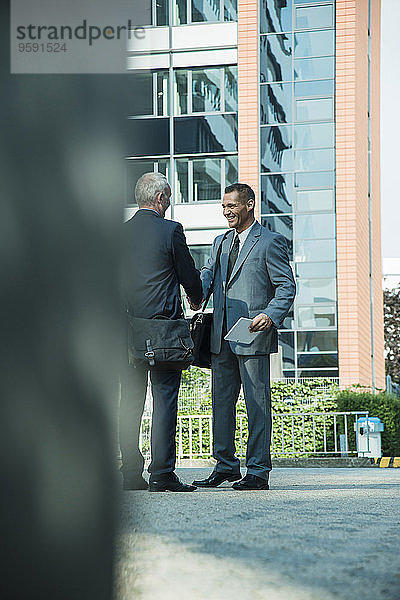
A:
(160, 343)
(200, 329)
(201, 323)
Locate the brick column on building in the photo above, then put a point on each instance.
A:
(352, 205)
(248, 78)
(376, 193)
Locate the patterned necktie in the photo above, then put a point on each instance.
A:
(233, 254)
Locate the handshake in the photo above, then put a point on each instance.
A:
(194, 306)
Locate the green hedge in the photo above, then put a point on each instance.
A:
(286, 397)
(384, 406)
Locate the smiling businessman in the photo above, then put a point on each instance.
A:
(253, 279)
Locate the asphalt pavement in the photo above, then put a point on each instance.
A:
(317, 534)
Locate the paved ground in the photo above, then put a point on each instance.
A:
(318, 534)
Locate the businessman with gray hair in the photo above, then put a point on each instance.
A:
(156, 261)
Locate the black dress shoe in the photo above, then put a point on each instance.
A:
(138, 483)
(251, 482)
(216, 479)
(169, 483)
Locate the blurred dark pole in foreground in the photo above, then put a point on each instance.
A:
(62, 186)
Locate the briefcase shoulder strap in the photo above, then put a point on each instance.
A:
(210, 289)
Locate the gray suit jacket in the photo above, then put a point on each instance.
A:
(261, 281)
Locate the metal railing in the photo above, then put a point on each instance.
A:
(195, 398)
(293, 434)
(329, 380)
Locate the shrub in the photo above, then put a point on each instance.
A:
(382, 405)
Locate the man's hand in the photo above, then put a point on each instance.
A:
(194, 306)
(260, 323)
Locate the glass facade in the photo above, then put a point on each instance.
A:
(297, 171)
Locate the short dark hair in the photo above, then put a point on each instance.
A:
(243, 191)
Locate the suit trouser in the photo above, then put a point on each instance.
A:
(229, 372)
(165, 389)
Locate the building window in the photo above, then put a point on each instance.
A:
(286, 341)
(213, 10)
(316, 291)
(275, 16)
(314, 17)
(206, 134)
(153, 99)
(160, 12)
(193, 11)
(205, 90)
(314, 250)
(276, 149)
(317, 341)
(314, 43)
(204, 179)
(180, 12)
(317, 360)
(200, 255)
(316, 109)
(147, 137)
(282, 224)
(276, 103)
(206, 10)
(196, 91)
(136, 168)
(315, 226)
(276, 193)
(276, 58)
(321, 87)
(314, 200)
(315, 317)
(316, 269)
(230, 10)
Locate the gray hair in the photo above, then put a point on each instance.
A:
(148, 186)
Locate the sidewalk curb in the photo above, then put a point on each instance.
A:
(388, 462)
(290, 463)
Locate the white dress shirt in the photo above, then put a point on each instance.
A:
(243, 235)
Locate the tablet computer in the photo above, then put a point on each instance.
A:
(240, 333)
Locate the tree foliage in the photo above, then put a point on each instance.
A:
(391, 300)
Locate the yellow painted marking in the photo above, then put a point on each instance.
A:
(385, 460)
(396, 462)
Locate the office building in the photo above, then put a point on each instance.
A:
(282, 95)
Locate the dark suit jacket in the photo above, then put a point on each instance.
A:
(156, 259)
